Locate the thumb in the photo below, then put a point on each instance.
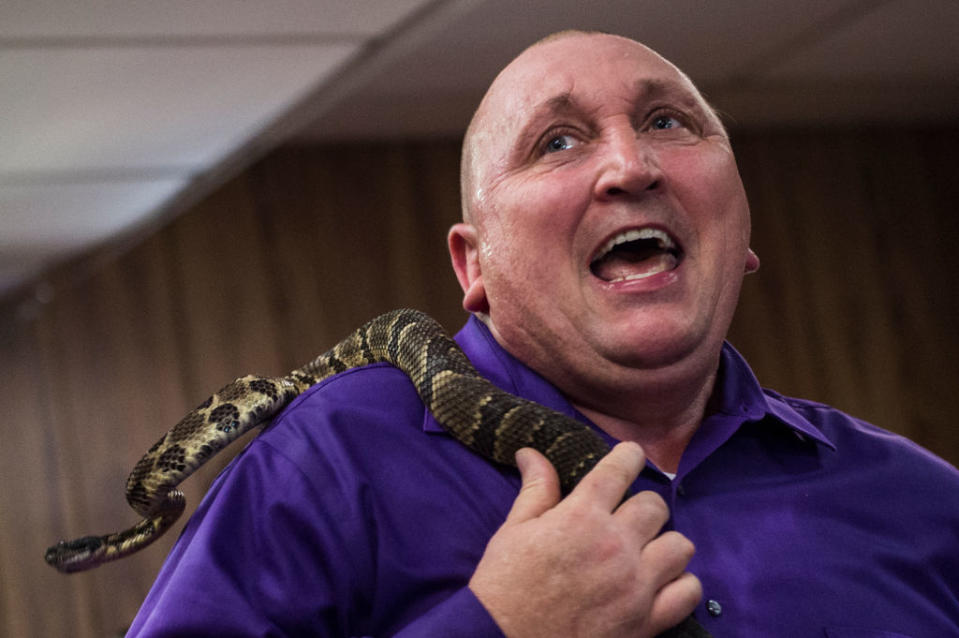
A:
(540, 489)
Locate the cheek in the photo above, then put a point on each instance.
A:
(712, 191)
(538, 218)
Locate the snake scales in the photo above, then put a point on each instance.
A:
(491, 422)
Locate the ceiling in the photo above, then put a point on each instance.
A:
(117, 114)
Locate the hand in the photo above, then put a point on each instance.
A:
(587, 565)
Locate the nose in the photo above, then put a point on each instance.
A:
(628, 168)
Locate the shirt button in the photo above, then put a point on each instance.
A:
(714, 608)
(681, 490)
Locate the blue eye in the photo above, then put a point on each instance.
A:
(663, 122)
(559, 143)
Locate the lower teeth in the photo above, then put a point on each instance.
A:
(656, 265)
(633, 277)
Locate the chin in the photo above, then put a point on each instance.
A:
(654, 346)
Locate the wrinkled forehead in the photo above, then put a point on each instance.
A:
(597, 68)
(598, 65)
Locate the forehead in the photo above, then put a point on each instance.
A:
(579, 71)
(587, 67)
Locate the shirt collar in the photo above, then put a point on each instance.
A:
(504, 370)
(738, 395)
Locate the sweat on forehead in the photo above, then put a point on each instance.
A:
(540, 78)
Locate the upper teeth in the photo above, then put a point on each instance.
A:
(665, 241)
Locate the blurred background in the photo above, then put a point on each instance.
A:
(191, 191)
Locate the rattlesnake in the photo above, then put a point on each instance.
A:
(493, 423)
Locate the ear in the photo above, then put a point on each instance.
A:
(463, 242)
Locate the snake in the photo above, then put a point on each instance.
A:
(490, 421)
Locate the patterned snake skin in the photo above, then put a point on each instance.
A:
(491, 422)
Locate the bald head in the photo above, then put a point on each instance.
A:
(506, 97)
(586, 143)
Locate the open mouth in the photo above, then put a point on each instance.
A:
(636, 254)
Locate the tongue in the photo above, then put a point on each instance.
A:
(623, 265)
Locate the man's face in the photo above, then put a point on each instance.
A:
(611, 225)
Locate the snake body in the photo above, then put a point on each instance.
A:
(491, 422)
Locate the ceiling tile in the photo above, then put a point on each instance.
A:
(918, 41)
(44, 217)
(63, 110)
(711, 41)
(125, 18)
(708, 40)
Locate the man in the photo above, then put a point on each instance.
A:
(604, 241)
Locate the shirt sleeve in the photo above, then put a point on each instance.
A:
(287, 542)
(460, 616)
(253, 561)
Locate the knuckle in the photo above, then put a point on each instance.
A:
(693, 588)
(613, 472)
(679, 545)
(609, 548)
(651, 504)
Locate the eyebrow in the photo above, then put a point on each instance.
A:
(650, 89)
(644, 90)
(683, 92)
(560, 104)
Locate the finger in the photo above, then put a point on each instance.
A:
(606, 484)
(540, 490)
(674, 602)
(666, 557)
(644, 514)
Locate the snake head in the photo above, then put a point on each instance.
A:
(73, 556)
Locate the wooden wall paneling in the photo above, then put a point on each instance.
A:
(98, 382)
(406, 227)
(840, 311)
(771, 326)
(356, 232)
(417, 236)
(435, 173)
(337, 278)
(917, 232)
(32, 508)
(225, 323)
(844, 288)
(364, 188)
(350, 245)
(149, 394)
(937, 409)
(105, 411)
(221, 282)
(289, 193)
(356, 281)
(355, 220)
(69, 338)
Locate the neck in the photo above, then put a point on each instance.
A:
(661, 419)
(658, 402)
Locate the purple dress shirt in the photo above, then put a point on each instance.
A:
(355, 514)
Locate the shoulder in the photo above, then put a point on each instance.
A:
(371, 410)
(364, 435)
